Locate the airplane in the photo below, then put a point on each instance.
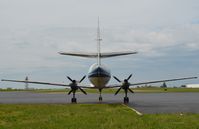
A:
(99, 75)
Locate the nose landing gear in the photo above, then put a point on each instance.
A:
(100, 96)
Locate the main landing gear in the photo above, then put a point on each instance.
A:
(73, 100)
(126, 99)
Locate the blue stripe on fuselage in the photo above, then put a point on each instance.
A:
(99, 72)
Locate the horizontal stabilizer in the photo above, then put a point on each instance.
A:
(94, 55)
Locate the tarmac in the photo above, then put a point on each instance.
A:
(145, 103)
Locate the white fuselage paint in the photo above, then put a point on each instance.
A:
(99, 76)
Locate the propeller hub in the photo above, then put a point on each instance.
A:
(125, 85)
(74, 86)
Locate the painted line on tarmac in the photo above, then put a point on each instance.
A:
(139, 113)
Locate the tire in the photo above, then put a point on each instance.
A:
(126, 100)
(74, 100)
(100, 99)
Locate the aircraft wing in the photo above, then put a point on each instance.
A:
(168, 80)
(94, 55)
(45, 83)
(150, 82)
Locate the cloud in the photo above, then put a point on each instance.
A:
(154, 42)
(34, 48)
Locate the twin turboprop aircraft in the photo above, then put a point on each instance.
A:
(99, 75)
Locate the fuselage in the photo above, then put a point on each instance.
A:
(99, 75)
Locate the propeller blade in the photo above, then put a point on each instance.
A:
(118, 90)
(82, 79)
(130, 90)
(70, 92)
(116, 78)
(70, 79)
(82, 90)
(129, 77)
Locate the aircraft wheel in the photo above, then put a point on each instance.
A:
(74, 100)
(126, 100)
(100, 99)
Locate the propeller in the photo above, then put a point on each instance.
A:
(116, 79)
(74, 87)
(125, 85)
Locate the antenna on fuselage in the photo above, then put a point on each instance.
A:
(98, 44)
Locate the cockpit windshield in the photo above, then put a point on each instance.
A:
(94, 66)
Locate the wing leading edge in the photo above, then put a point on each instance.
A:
(45, 83)
(159, 81)
(150, 82)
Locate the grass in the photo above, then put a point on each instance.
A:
(137, 90)
(88, 116)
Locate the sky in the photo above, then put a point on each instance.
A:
(164, 32)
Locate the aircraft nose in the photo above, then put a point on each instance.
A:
(99, 70)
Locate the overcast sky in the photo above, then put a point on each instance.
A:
(164, 32)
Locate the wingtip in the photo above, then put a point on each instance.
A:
(194, 77)
(132, 52)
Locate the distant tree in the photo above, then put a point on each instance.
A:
(9, 88)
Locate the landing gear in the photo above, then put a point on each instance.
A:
(126, 100)
(73, 100)
(100, 97)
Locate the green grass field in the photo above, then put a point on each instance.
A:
(89, 116)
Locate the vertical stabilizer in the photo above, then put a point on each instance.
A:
(98, 44)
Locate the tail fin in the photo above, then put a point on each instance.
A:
(98, 44)
(98, 55)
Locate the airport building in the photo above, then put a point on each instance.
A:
(192, 85)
